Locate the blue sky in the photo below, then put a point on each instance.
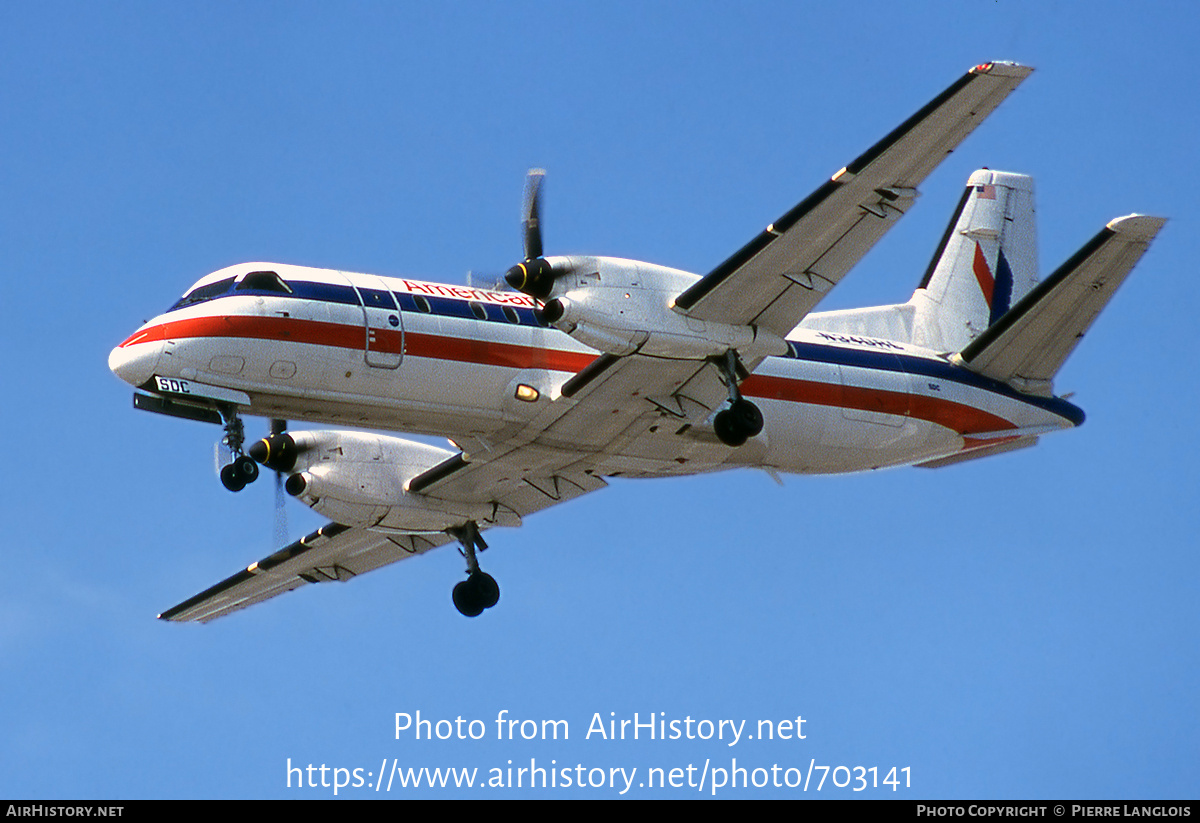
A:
(1024, 626)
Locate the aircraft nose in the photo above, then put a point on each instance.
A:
(135, 363)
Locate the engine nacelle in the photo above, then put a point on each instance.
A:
(619, 307)
(358, 479)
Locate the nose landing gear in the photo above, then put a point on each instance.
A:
(480, 590)
(242, 470)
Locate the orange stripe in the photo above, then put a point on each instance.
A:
(957, 417)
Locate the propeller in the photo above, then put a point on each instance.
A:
(533, 202)
(277, 451)
(535, 275)
(278, 427)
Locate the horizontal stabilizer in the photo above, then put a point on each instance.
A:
(1028, 345)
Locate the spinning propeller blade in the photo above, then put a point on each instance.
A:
(534, 275)
(531, 221)
(281, 524)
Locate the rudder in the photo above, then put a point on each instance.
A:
(985, 263)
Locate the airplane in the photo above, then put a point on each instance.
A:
(589, 368)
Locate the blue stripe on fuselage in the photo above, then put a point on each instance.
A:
(381, 299)
(888, 360)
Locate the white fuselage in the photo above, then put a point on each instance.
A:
(436, 359)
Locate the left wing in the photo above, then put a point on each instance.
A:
(780, 275)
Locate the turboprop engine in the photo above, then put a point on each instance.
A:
(359, 479)
(622, 306)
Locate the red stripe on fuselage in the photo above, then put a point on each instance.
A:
(339, 335)
(958, 417)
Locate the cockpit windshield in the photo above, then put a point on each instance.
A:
(255, 281)
(201, 293)
(264, 281)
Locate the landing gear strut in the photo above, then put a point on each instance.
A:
(480, 590)
(742, 420)
(243, 470)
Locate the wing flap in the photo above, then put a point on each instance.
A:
(781, 274)
(1030, 342)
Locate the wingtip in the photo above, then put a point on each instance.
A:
(1137, 226)
(1003, 68)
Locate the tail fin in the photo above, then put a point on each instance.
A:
(1032, 340)
(986, 262)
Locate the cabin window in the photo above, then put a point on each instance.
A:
(511, 314)
(478, 309)
(422, 303)
(377, 299)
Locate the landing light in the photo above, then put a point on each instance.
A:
(527, 393)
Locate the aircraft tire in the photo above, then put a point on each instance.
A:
(232, 479)
(466, 599)
(246, 468)
(486, 588)
(747, 417)
(726, 427)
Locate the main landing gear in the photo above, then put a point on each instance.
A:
(742, 420)
(242, 470)
(480, 590)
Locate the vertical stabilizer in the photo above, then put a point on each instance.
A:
(986, 262)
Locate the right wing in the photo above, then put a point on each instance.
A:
(608, 423)
(780, 275)
(619, 416)
(332, 552)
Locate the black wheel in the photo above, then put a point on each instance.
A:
(727, 429)
(246, 468)
(466, 599)
(231, 480)
(487, 590)
(747, 417)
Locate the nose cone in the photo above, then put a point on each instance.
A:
(135, 363)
